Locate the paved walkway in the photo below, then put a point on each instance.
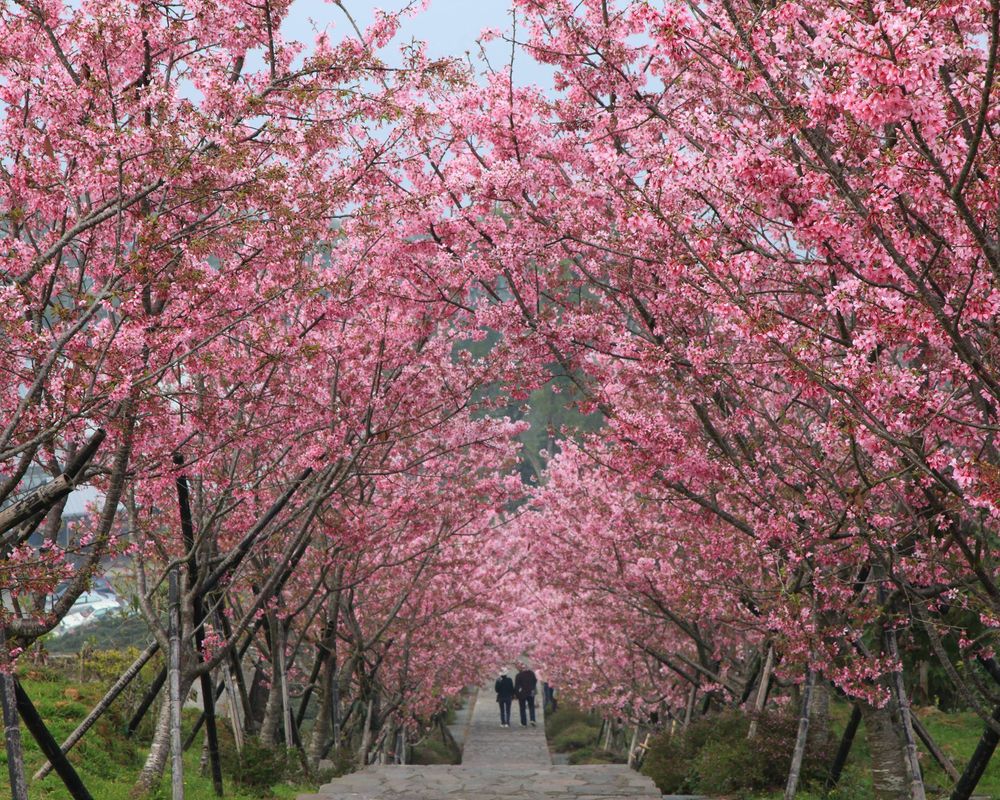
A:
(497, 764)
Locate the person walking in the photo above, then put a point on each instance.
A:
(525, 683)
(549, 698)
(504, 687)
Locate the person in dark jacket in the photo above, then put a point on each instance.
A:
(504, 687)
(525, 684)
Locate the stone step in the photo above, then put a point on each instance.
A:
(497, 764)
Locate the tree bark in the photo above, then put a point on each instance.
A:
(366, 737)
(327, 654)
(890, 780)
(272, 711)
(159, 751)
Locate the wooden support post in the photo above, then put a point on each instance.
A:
(800, 741)
(845, 748)
(974, 770)
(174, 669)
(632, 747)
(147, 701)
(917, 791)
(939, 755)
(12, 735)
(49, 747)
(286, 703)
(765, 679)
(207, 691)
(232, 699)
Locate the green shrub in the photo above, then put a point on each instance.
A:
(258, 768)
(566, 717)
(713, 755)
(575, 736)
(433, 751)
(729, 764)
(593, 755)
(668, 763)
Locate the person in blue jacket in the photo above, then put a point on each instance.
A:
(504, 688)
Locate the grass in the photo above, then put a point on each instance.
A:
(106, 761)
(955, 733)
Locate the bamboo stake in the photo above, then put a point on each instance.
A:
(800, 741)
(286, 705)
(845, 747)
(765, 679)
(176, 746)
(980, 759)
(632, 746)
(12, 735)
(49, 747)
(234, 711)
(917, 791)
(932, 747)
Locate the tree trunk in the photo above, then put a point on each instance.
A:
(890, 779)
(689, 709)
(819, 712)
(324, 713)
(366, 737)
(272, 711)
(159, 751)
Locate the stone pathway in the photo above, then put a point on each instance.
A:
(497, 764)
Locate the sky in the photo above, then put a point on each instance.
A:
(450, 28)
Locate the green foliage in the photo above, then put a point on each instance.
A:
(257, 768)
(714, 755)
(433, 751)
(108, 763)
(574, 737)
(110, 633)
(568, 716)
(594, 755)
